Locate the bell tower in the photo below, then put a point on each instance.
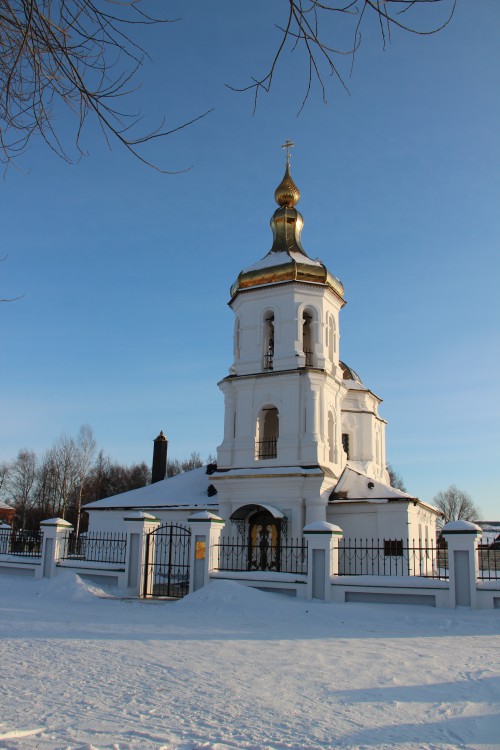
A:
(284, 392)
(282, 397)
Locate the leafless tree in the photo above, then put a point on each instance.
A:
(107, 478)
(5, 468)
(86, 447)
(84, 55)
(21, 483)
(179, 467)
(396, 479)
(63, 461)
(456, 505)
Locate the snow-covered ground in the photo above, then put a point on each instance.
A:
(230, 668)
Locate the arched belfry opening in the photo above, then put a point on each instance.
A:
(267, 433)
(307, 337)
(268, 340)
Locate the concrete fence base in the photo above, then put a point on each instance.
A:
(322, 580)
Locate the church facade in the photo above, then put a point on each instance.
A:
(303, 438)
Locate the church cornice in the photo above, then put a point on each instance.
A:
(249, 472)
(296, 282)
(285, 475)
(266, 475)
(275, 373)
(364, 411)
(365, 390)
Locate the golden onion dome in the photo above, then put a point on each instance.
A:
(287, 192)
(287, 259)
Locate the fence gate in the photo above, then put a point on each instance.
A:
(166, 570)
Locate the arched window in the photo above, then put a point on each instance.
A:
(267, 433)
(345, 443)
(268, 340)
(331, 438)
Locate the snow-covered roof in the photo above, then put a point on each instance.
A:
(491, 531)
(490, 526)
(354, 486)
(354, 385)
(184, 490)
(357, 486)
(456, 526)
(280, 258)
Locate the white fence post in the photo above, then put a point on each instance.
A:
(322, 558)
(55, 531)
(139, 525)
(463, 564)
(206, 529)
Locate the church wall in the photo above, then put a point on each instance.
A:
(422, 524)
(298, 497)
(371, 520)
(113, 520)
(366, 431)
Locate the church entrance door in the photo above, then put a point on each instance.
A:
(264, 542)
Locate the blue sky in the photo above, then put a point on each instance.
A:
(126, 272)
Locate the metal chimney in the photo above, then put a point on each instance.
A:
(159, 468)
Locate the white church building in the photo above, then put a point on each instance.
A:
(303, 438)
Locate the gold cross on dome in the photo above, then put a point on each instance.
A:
(288, 145)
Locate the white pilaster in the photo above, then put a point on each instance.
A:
(55, 531)
(206, 529)
(138, 525)
(322, 558)
(463, 565)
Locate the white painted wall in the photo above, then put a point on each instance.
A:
(112, 520)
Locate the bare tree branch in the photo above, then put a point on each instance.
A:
(306, 21)
(77, 53)
(83, 55)
(9, 299)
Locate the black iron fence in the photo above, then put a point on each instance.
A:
(239, 556)
(98, 546)
(266, 448)
(488, 553)
(23, 542)
(393, 557)
(268, 361)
